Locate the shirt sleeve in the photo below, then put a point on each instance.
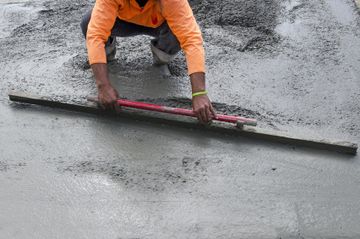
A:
(182, 23)
(102, 21)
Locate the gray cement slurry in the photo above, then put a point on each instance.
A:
(69, 175)
(76, 176)
(14, 14)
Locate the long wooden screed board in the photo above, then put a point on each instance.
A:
(252, 132)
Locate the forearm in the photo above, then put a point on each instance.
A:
(107, 95)
(101, 75)
(201, 103)
(197, 82)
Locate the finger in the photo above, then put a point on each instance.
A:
(117, 108)
(114, 99)
(116, 104)
(114, 96)
(108, 105)
(113, 105)
(198, 116)
(203, 116)
(212, 111)
(207, 113)
(99, 103)
(102, 105)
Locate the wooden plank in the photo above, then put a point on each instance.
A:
(257, 133)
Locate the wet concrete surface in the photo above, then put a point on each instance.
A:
(291, 64)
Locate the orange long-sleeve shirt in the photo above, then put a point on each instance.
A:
(177, 13)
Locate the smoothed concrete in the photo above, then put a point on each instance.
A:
(70, 175)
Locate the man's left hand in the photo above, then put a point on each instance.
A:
(203, 108)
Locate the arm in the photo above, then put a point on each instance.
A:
(102, 20)
(107, 95)
(181, 21)
(201, 104)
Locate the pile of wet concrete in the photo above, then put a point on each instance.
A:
(241, 25)
(242, 13)
(238, 24)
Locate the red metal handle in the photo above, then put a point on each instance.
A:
(181, 111)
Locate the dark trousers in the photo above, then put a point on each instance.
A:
(164, 39)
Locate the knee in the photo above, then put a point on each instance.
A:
(170, 39)
(85, 22)
(175, 44)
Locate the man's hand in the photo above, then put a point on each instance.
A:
(201, 103)
(107, 97)
(203, 108)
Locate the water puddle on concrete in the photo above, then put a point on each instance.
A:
(343, 11)
(291, 27)
(15, 13)
(291, 4)
(294, 30)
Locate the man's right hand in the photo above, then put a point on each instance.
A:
(107, 97)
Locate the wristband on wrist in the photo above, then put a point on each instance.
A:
(204, 92)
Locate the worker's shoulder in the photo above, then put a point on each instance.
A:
(173, 4)
(118, 2)
(173, 1)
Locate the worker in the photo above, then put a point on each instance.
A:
(170, 22)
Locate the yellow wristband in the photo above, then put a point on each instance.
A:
(199, 93)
